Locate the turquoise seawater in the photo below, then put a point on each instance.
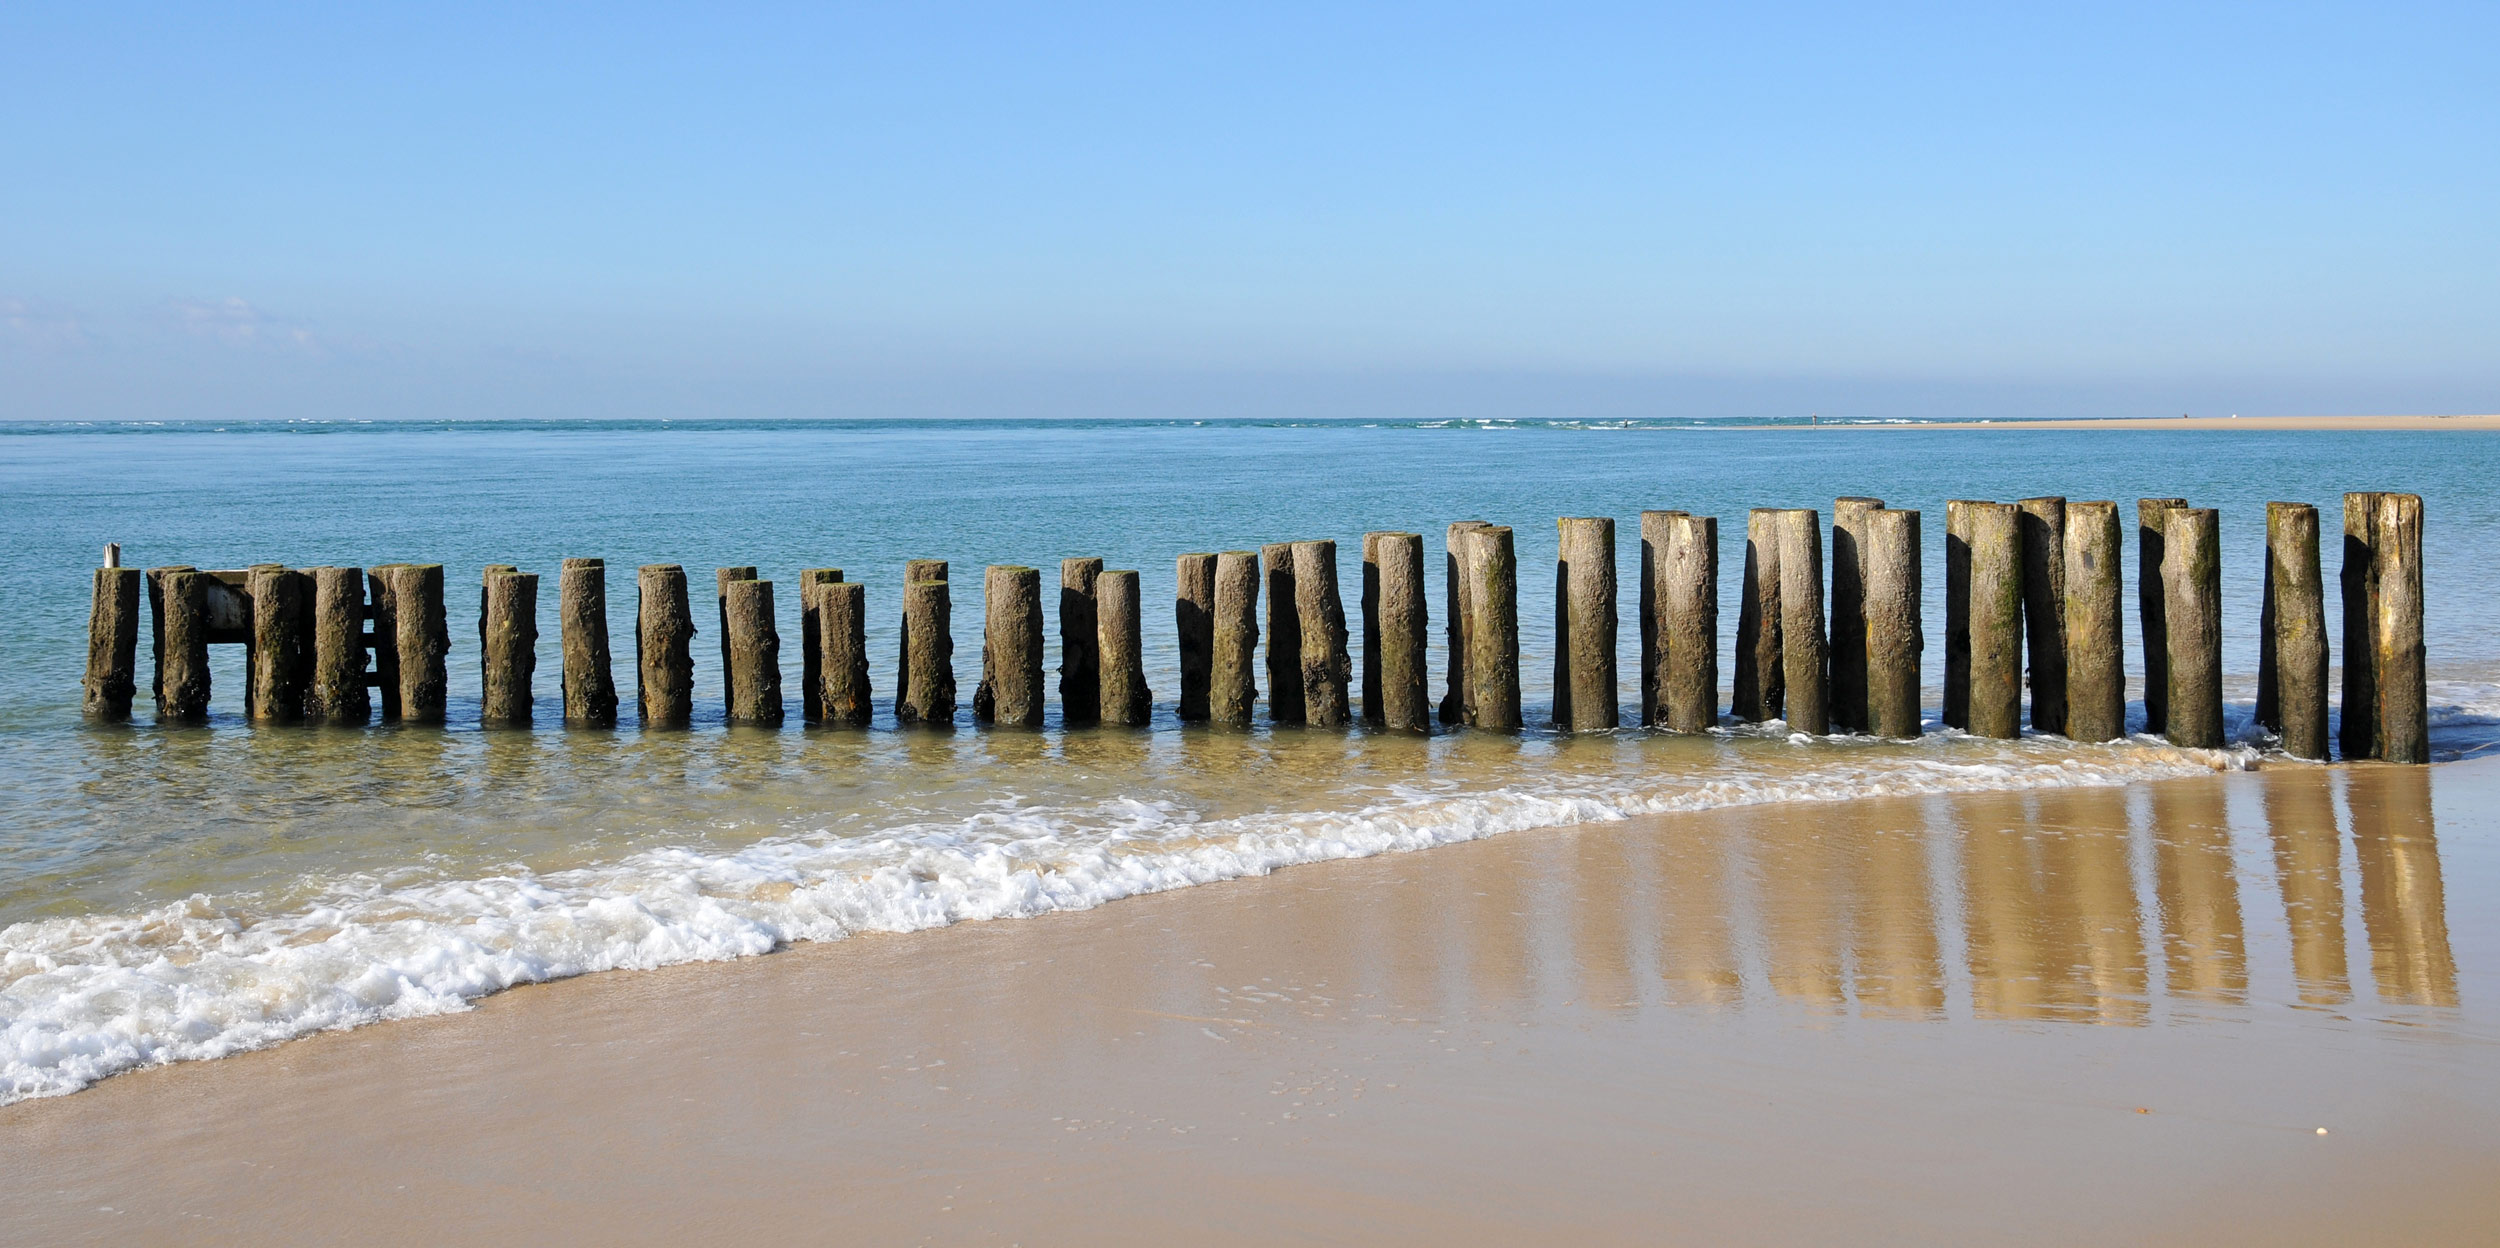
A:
(184, 892)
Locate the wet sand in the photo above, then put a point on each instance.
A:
(2080, 1016)
(2347, 424)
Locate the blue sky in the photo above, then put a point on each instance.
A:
(336, 210)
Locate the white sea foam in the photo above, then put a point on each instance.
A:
(83, 998)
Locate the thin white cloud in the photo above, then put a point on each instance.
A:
(236, 322)
(40, 326)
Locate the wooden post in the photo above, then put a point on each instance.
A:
(281, 651)
(1405, 701)
(1995, 614)
(1805, 653)
(382, 639)
(2150, 607)
(728, 667)
(1681, 553)
(1010, 692)
(1493, 638)
(1080, 642)
(754, 654)
(663, 648)
(508, 634)
(1957, 522)
(589, 680)
(339, 693)
(158, 641)
(1126, 701)
(811, 645)
(2192, 610)
(1458, 603)
(2096, 661)
(2396, 635)
(1284, 636)
(2292, 652)
(421, 641)
(182, 646)
(1761, 654)
(2358, 733)
(113, 643)
(1891, 584)
(842, 635)
(927, 693)
(914, 570)
(1320, 613)
(1373, 711)
(1193, 614)
(1848, 636)
(1232, 687)
(2043, 523)
(1585, 680)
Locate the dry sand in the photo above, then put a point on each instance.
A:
(2271, 423)
(2086, 1016)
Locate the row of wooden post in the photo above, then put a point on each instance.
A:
(2037, 580)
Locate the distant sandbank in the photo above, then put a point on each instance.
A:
(2315, 424)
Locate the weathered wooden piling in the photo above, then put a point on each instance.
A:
(1458, 605)
(2095, 624)
(508, 643)
(339, 693)
(1995, 616)
(181, 609)
(1405, 693)
(1493, 638)
(1080, 642)
(1761, 656)
(842, 639)
(2291, 633)
(1120, 640)
(2151, 611)
(419, 642)
(589, 679)
(1010, 692)
(754, 672)
(1805, 653)
(2357, 731)
(113, 643)
(2043, 524)
(1848, 611)
(1232, 683)
(1320, 614)
(281, 647)
(721, 579)
(1371, 696)
(2192, 613)
(1679, 621)
(2403, 697)
(1193, 615)
(1585, 679)
(1284, 636)
(811, 647)
(663, 648)
(925, 690)
(1957, 522)
(1891, 585)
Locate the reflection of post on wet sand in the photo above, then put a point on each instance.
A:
(2402, 905)
(1892, 915)
(2049, 907)
(2204, 945)
(2309, 863)
(1696, 927)
(1598, 913)
(1797, 873)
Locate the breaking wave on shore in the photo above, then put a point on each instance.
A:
(83, 998)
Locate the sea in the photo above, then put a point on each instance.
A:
(180, 893)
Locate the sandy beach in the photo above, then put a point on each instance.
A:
(2313, 424)
(2072, 1016)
